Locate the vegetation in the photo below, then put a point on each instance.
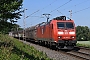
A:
(7, 27)
(10, 12)
(12, 49)
(83, 43)
(10, 9)
(82, 33)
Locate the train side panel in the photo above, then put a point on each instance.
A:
(43, 32)
(47, 32)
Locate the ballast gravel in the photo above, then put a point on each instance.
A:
(55, 55)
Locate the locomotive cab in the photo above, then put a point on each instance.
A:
(64, 32)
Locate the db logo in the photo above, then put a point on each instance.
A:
(66, 32)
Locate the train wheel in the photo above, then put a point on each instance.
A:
(53, 46)
(40, 42)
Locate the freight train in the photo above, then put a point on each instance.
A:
(57, 33)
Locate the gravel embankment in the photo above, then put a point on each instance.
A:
(55, 55)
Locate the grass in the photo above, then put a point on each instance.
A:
(83, 43)
(12, 49)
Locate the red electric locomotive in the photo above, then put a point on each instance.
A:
(58, 33)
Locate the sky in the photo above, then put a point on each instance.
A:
(36, 8)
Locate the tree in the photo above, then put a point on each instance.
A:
(82, 33)
(16, 27)
(6, 27)
(10, 9)
(89, 35)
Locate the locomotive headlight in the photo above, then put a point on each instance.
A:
(59, 37)
(60, 32)
(71, 32)
(72, 36)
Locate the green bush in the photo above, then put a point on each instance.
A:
(12, 49)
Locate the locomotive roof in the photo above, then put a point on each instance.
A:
(62, 18)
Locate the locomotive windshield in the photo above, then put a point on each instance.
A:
(61, 25)
(65, 25)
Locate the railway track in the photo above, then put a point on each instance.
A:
(80, 55)
(80, 52)
(85, 50)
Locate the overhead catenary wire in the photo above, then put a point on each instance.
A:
(61, 6)
(32, 13)
(49, 4)
(60, 12)
(77, 4)
(80, 10)
(58, 7)
(41, 9)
